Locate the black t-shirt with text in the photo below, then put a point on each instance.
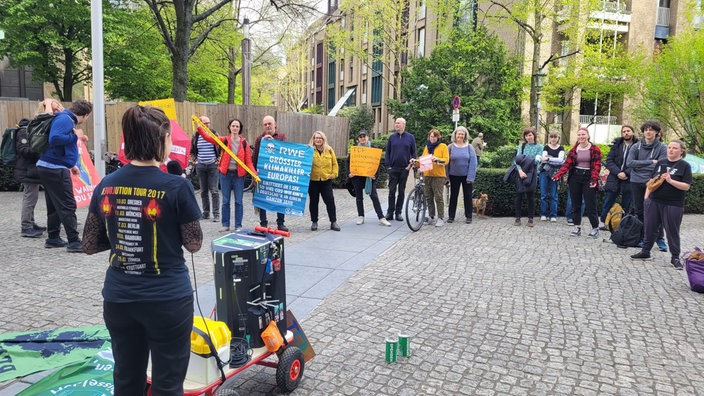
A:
(143, 209)
(667, 194)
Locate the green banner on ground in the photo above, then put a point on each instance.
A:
(93, 377)
(25, 353)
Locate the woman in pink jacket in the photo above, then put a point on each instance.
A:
(231, 173)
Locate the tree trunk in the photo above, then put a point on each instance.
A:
(181, 51)
(68, 77)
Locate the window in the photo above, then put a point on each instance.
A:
(421, 42)
(421, 9)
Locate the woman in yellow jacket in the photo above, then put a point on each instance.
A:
(324, 170)
(435, 178)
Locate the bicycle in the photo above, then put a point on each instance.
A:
(415, 203)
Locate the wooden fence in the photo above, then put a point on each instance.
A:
(299, 127)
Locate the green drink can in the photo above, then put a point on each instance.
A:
(404, 344)
(391, 350)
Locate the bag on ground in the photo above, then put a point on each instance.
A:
(694, 264)
(613, 218)
(628, 232)
(38, 132)
(8, 152)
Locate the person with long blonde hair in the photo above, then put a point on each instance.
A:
(324, 170)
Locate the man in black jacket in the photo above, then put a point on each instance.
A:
(26, 173)
(618, 181)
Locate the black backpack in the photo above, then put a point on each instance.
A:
(628, 233)
(8, 152)
(38, 132)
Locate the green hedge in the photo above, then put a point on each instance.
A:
(7, 181)
(502, 195)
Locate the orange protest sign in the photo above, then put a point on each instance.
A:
(364, 161)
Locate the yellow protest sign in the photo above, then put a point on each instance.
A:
(168, 105)
(364, 161)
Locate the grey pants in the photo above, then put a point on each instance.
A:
(208, 176)
(29, 201)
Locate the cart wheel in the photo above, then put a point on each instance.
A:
(290, 369)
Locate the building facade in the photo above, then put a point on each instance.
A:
(341, 78)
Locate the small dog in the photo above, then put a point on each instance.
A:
(479, 204)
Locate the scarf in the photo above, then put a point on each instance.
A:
(368, 182)
(431, 146)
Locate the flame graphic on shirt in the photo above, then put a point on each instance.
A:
(106, 206)
(152, 210)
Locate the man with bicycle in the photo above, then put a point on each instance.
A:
(400, 148)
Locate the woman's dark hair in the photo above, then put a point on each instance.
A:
(81, 107)
(230, 123)
(530, 130)
(144, 129)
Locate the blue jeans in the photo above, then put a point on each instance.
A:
(610, 198)
(229, 183)
(548, 190)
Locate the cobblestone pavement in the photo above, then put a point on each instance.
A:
(493, 309)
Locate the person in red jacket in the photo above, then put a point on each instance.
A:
(231, 173)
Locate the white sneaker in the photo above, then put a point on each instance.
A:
(384, 222)
(553, 219)
(224, 229)
(543, 218)
(602, 226)
(360, 220)
(429, 220)
(439, 223)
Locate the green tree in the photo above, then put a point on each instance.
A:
(674, 88)
(51, 38)
(137, 65)
(361, 117)
(474, 66)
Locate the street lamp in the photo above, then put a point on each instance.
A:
(539, 78)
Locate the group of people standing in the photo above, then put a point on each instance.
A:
(52, 170)
(631, 163)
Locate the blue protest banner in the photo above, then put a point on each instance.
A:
(284, 168)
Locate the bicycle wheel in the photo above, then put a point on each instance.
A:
(248, 182)
(415, 209)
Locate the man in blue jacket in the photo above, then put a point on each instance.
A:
(400, 148)
(55, 167)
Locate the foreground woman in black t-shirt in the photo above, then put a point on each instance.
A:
(144, 216)
(666, 203)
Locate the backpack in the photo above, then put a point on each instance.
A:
(628, 233)
(613, 218)
(8, 150)
(38, 132)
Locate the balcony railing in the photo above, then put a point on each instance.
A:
(614, 6)
(598, 119)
